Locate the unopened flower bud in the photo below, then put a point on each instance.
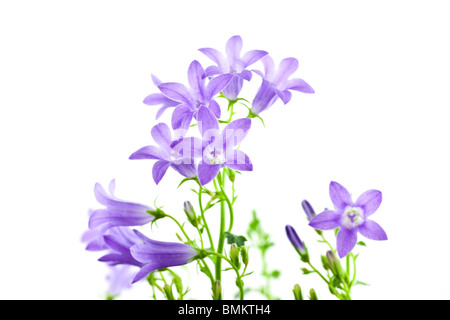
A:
(178, 284)
(231, 174)
(309, 211)
(190, 213)
(168, 292)
(297, 292)
(244, 256)
(297, 243)
(313, 295)
(335, 264)
(217, 290)
(234, 255)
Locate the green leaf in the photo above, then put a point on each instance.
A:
(361, 243)
(361, 283)
(306, 271)
(238, 240)
(275, 273)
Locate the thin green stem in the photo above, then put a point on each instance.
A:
(221, 242)
(230, 208)
(205, 224)
(239, 282)
(318, 272)
(180, 226)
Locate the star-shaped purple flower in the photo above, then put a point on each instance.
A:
(172, 152)
(198, 95)
(117, 212)
(232, 63)
(156, 255)
(219, 148)
(351, 217)
(276, 84)
(158, 99)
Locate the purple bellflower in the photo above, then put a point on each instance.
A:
(119, 240)
(219, 148)
(276, 84)
(172, 152)
(120, 278)
(233, 63)
(351, 217)
(117, 212)
(156, 255)
(158, 99)
(198, 95)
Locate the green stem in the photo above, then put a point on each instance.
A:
(221, 242)
(180, 226)
(230, 208)
(318, 272)
(205, 224)
(239, 282)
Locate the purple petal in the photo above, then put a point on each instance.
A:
(294, 238)
(207, 172)
(112, 202)
(187, 170)
(340, 196)
(161, 110)
(212, 71)
(372, 230)
(182, 117)
(252, 56)
(285, 96)
(346, 241)
(235, 132)
(175, 91)
(162, 135)
(119, 279)
(239, 161)
(233, 49)
(196, 76)
(156, 80)
(215, 56)
(123, 217)
(145, 271)
(299, 85)
(265, 98)
(246, 75)
(148, 152)
(287, 67)
(155, 99)
(216, 85)
(191, 147)
(327, 220)
(207, 123)
(369, 201)
(159, 170)
(233, 89)
(215, 108)
(269, 68)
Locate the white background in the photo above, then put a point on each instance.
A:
(73, 75)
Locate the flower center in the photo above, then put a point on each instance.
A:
(214, 155)
(352, 217)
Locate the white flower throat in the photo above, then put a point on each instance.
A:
(352, 217)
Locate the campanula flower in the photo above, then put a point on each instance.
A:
(199, 94)
(276, 84)
(156, 255)
(219, 148)
(350, 217)
(232, 63)
(158, 99)
(117, 212)
(174, 152)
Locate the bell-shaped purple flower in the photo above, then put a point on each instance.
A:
(117, 212)
(219, 148)
(198, 95)
(351, 217)
(156, 255)
(276, 84)
(232, 63)
(158, 99)
(171, 152)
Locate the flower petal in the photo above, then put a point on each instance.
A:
(340, 196)
(232, 90)
(346, 241)
(287, 67)
(217, 57)
(327, 220)
(148, 152)
(252, 56)
(246, 75)
(187, 170)
(196, 76)
(159, 170)
(269, 68)
(233, 49)
(162, 135)
(216, 85)
(299, 85)
(215, 108)
(212, 71)
(372, 230)
(145, 271)
(207, 122)
(121, 217)
(175, 91)
(112, 202)
(235, 132)
(207, 172)
(285, 96)
(369, 201)
(239, 161)
(182, 117)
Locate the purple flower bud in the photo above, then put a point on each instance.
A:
(294, 239)
(308, 209)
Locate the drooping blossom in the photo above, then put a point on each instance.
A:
(174, 152)
(276, 83)
(120, 278)
(199, 94)
(117, 212)
(219, 148)
(232, 63)
(156, 255)
(158, 99)
(350, 217)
